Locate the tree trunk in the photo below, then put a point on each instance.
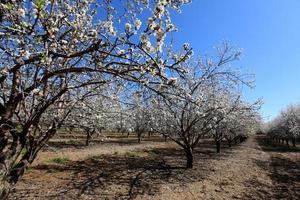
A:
(218, 144)
(165, 138)
(235, 140)
(5, 188)
(8, 175)
(11, 171)
(139, 137)
(189, 158)
(287, 141)
(294, 141)
(229, 143)
(88, 138)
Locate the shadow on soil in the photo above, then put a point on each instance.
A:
(268, 145)
(131, 175)
(79, 142)
(283, 170)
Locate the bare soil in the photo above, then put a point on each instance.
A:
(256, 169)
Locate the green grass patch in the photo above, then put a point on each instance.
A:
(132, 154)
(58, 160)
(30, 170)
(96, 157)
(153, 152)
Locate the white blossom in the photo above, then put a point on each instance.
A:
(21, 12)
(128, 27)
(4, 71)
(64, 42)
(137, 24)
(186, 46)
(172, 81)
(171, 27)
(144, 38)
(36, 91)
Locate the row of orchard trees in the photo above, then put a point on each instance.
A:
(204, 101)
(286, 126)
(75, 63)
(208, 103)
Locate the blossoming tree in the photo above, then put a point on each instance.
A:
(286, 126)
(193, 110)
(50, 47)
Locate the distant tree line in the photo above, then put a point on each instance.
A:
(285, 128)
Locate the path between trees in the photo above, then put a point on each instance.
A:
(256, 169)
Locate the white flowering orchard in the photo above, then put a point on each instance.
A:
(286, 126)
(207, 101)
(50, 48)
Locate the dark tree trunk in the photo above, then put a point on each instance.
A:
(189, 158)
(235, 140)
(5, 188)
(8, 176)
(14, 170)
(10, 169)
(165, 138)
(218, 145)
(101, 129)
(294, 141)
(229, 143)
(88, 138)
(139, 137)
(287, 141)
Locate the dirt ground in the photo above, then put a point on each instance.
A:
(256, 169)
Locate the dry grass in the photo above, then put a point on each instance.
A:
(154, 170)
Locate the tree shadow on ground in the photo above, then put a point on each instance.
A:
(267, 145)
(80, 143)
(283, 171)
(64, 144)
(130, 175)
(119, 176)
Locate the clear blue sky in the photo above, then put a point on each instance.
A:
(267, 30)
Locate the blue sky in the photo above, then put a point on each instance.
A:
(267, 30)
